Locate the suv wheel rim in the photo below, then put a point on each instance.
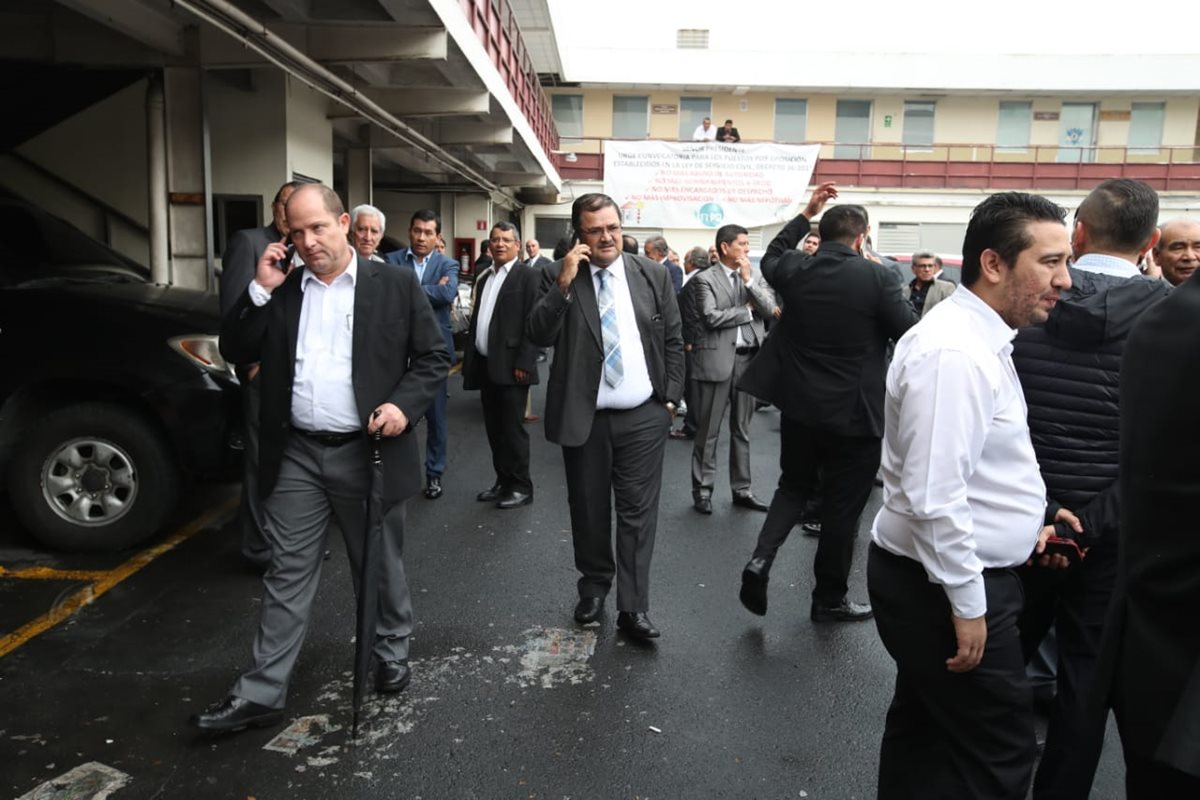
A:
(89, 482)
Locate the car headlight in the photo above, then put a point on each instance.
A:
(204, 351)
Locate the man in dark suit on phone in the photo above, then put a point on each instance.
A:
(501, 363)
(237, 270)
(614, 324)
(348, 349)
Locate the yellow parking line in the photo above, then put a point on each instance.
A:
(49, 574)
(109, 579)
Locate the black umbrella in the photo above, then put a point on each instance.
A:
(368, 580)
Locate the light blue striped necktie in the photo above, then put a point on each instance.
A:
(614, 372)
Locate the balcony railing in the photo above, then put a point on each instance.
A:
(961, 166)
(496, 26)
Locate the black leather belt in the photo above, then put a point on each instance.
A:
(745, 351)
(330, 439)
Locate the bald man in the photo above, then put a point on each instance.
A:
(1178, 251)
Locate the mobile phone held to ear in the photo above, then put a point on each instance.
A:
(1058, 546)
(285, 263)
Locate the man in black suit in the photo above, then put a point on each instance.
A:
(656, 249)
(501, 363)
(237, 270)
(1151, 644)
(617, 370)
(348, 347)
(728, 133)
(823, 367)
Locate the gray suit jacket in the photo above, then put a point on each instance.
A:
(572, 326)
(936, 294)
(719, 315)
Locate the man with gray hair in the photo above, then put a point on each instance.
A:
(925, 290)
(1178, 250)
(657, 249)
(367, 224)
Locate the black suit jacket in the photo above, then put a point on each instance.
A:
(1152, 631)
(398, 356)
(824, 364)
(721, 134)
(508, 346)
(572, 326)
(240, 261)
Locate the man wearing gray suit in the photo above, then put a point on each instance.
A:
(731, 304)
(237, 270)
(926, 290)
(614, 324)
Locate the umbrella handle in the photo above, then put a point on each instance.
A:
(376, 442)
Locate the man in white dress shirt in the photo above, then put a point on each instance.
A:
(963, 503)
(705, 132)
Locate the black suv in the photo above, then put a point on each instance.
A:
(111, 388)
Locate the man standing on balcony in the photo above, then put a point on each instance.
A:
(925, 291)
(705, 132)
(656, 249)
(1178, 251)
(728, 133)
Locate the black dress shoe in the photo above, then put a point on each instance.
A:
(589, 609)
(236, 714)
(433, 487)
(811, 527)
(637, 624)
(755, 576)
(680, 435)
(751, 502)
(513, 500)
(392, 677)
(489, 495)
(844, 611)
(703, 505)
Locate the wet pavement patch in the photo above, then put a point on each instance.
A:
(554, 656)
(91, 781)
(304, 732)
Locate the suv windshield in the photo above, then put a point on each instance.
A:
(40, 246)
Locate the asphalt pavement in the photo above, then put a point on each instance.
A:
(509, 697)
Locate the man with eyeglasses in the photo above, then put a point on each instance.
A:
(613, 321)
(926, 290)
(501, 363)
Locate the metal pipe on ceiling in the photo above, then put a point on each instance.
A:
(255, 35)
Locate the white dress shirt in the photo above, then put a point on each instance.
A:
(487, 304)
(322, 384)
(1106, 265)
(701, 135)
(961, 487)
(635, 387)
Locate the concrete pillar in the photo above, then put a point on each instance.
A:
(156, 180)
(186, 177)
(359, 178)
